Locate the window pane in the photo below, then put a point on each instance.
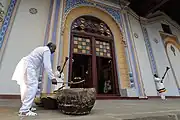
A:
(82, 45)
(103, 49)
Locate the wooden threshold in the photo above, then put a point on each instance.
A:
(10, 97)
(115, 97)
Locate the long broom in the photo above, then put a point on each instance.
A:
(167, 68)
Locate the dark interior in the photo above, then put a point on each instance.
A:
(104, 75)
(81, 70)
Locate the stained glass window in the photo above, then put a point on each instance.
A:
(82, 45)
(103, 49)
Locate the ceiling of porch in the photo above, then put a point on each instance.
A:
(145, 7)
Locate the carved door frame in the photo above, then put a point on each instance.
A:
(93, 37)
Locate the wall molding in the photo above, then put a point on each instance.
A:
(112, 11)
(7, 25)
(108, 3)
(55, 18)
(149, 51)
(46, 37)
(10, 97)
(6, 21)
(133, 59)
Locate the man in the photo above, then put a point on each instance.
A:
(27, 72)
(60, 78)
(160, 86)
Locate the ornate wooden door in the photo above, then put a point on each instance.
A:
(91, 37)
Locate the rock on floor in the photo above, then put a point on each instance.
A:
(76, 101)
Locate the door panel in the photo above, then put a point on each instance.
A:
(81, 70)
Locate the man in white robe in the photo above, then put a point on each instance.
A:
(160, 86)
(26, 74)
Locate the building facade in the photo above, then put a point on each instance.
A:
(112, 48)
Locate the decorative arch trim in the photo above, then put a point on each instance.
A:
(122, 66)
(113, 12)
(173, 41)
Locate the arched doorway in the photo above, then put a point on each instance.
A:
(173, 53)
(92, 55)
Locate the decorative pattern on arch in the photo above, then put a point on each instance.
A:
(114, 12)
(172, 41)
(150, 51)
(6, 21)
(122, 66)
(89, 26)
(168, 38)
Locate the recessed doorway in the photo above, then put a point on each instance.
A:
(92, 56)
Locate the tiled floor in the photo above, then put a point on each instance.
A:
(103, 110)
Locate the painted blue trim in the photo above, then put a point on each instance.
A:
(48, 22)
(60, 50)
(149, 51)
(8, 34)
(47, 34)
(54, 34)
(113, 12)
(60, 40)
(134, 65)
(6, 21)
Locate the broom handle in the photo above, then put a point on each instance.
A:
(72, 82)
(167, 68)
(63, 66)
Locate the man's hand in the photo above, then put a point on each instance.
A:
(54, 81)
(71, 82)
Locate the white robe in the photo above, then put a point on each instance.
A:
(59, 78)
(35, 60)
(27, 72)
(160, 88)
(159, 84)
(19, 73)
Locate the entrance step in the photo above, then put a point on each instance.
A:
(160, 117)
(114, 97)
(104, 97)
